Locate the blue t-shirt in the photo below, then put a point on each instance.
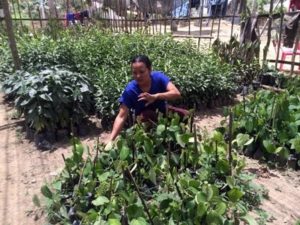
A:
(159, 82)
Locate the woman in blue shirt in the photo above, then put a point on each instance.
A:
(148, 91)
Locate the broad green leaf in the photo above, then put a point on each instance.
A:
(103, 177)
(230, 181)
(148, 145)
(124, 153)
(63, 212)
(152, 175)
(134, 211)
(217, 136)
(242, 139)
(101, 200)
(46, 192)
(295, 144)
(202, 209)
(139, 221)
(214, 218)
(114, 222)
(249, 220)
(160, 129)
(223, 166)
(57, 185)
(269, 146)
(235, 195)
(221, 208)
(208, 191)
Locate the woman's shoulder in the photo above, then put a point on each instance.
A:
(131, 86)
(158, 75)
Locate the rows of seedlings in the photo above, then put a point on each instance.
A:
(82, 72)
(156, 174)
(269, 121)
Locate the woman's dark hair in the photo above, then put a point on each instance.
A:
(142, 58)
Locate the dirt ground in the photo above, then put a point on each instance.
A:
(24, 169)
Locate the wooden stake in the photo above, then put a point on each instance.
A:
(140, 196)
(11, 35)
(265, 52)
(230, 140)
(280, 34)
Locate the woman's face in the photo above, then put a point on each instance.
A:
(140, 73)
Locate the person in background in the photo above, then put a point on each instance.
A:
(145, 94)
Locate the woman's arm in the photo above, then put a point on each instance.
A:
(119, 122)
(172, 93)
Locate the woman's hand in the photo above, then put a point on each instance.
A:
(148, 98)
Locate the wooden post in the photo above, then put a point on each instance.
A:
(230, 140)
(266, 48)
(295, 49)
(280, 34)
(29, 14)
(11, 35)
(190, 9)
(200, 21)
(233, 17)
(19, 11)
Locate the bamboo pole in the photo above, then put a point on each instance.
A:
(265, 51)
(11, 35)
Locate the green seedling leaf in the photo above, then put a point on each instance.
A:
(214, 218)
(295, 144)
(202, 209)
(269, 146)
(217, 136)
(36, 201)
(46, 192)
(114, 222)
(57, 185)
(152, 175)
(223, 166)
(235, 195)
(221, 208)
(101, 200)
(160, 129)
(230, 181)
(124, 153)
(139, 221)
(249, 220)
(103, 177)
(242, 139)
(134, 211)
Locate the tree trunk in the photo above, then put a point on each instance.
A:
(11, 35)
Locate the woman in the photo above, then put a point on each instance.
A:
(149, 91)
